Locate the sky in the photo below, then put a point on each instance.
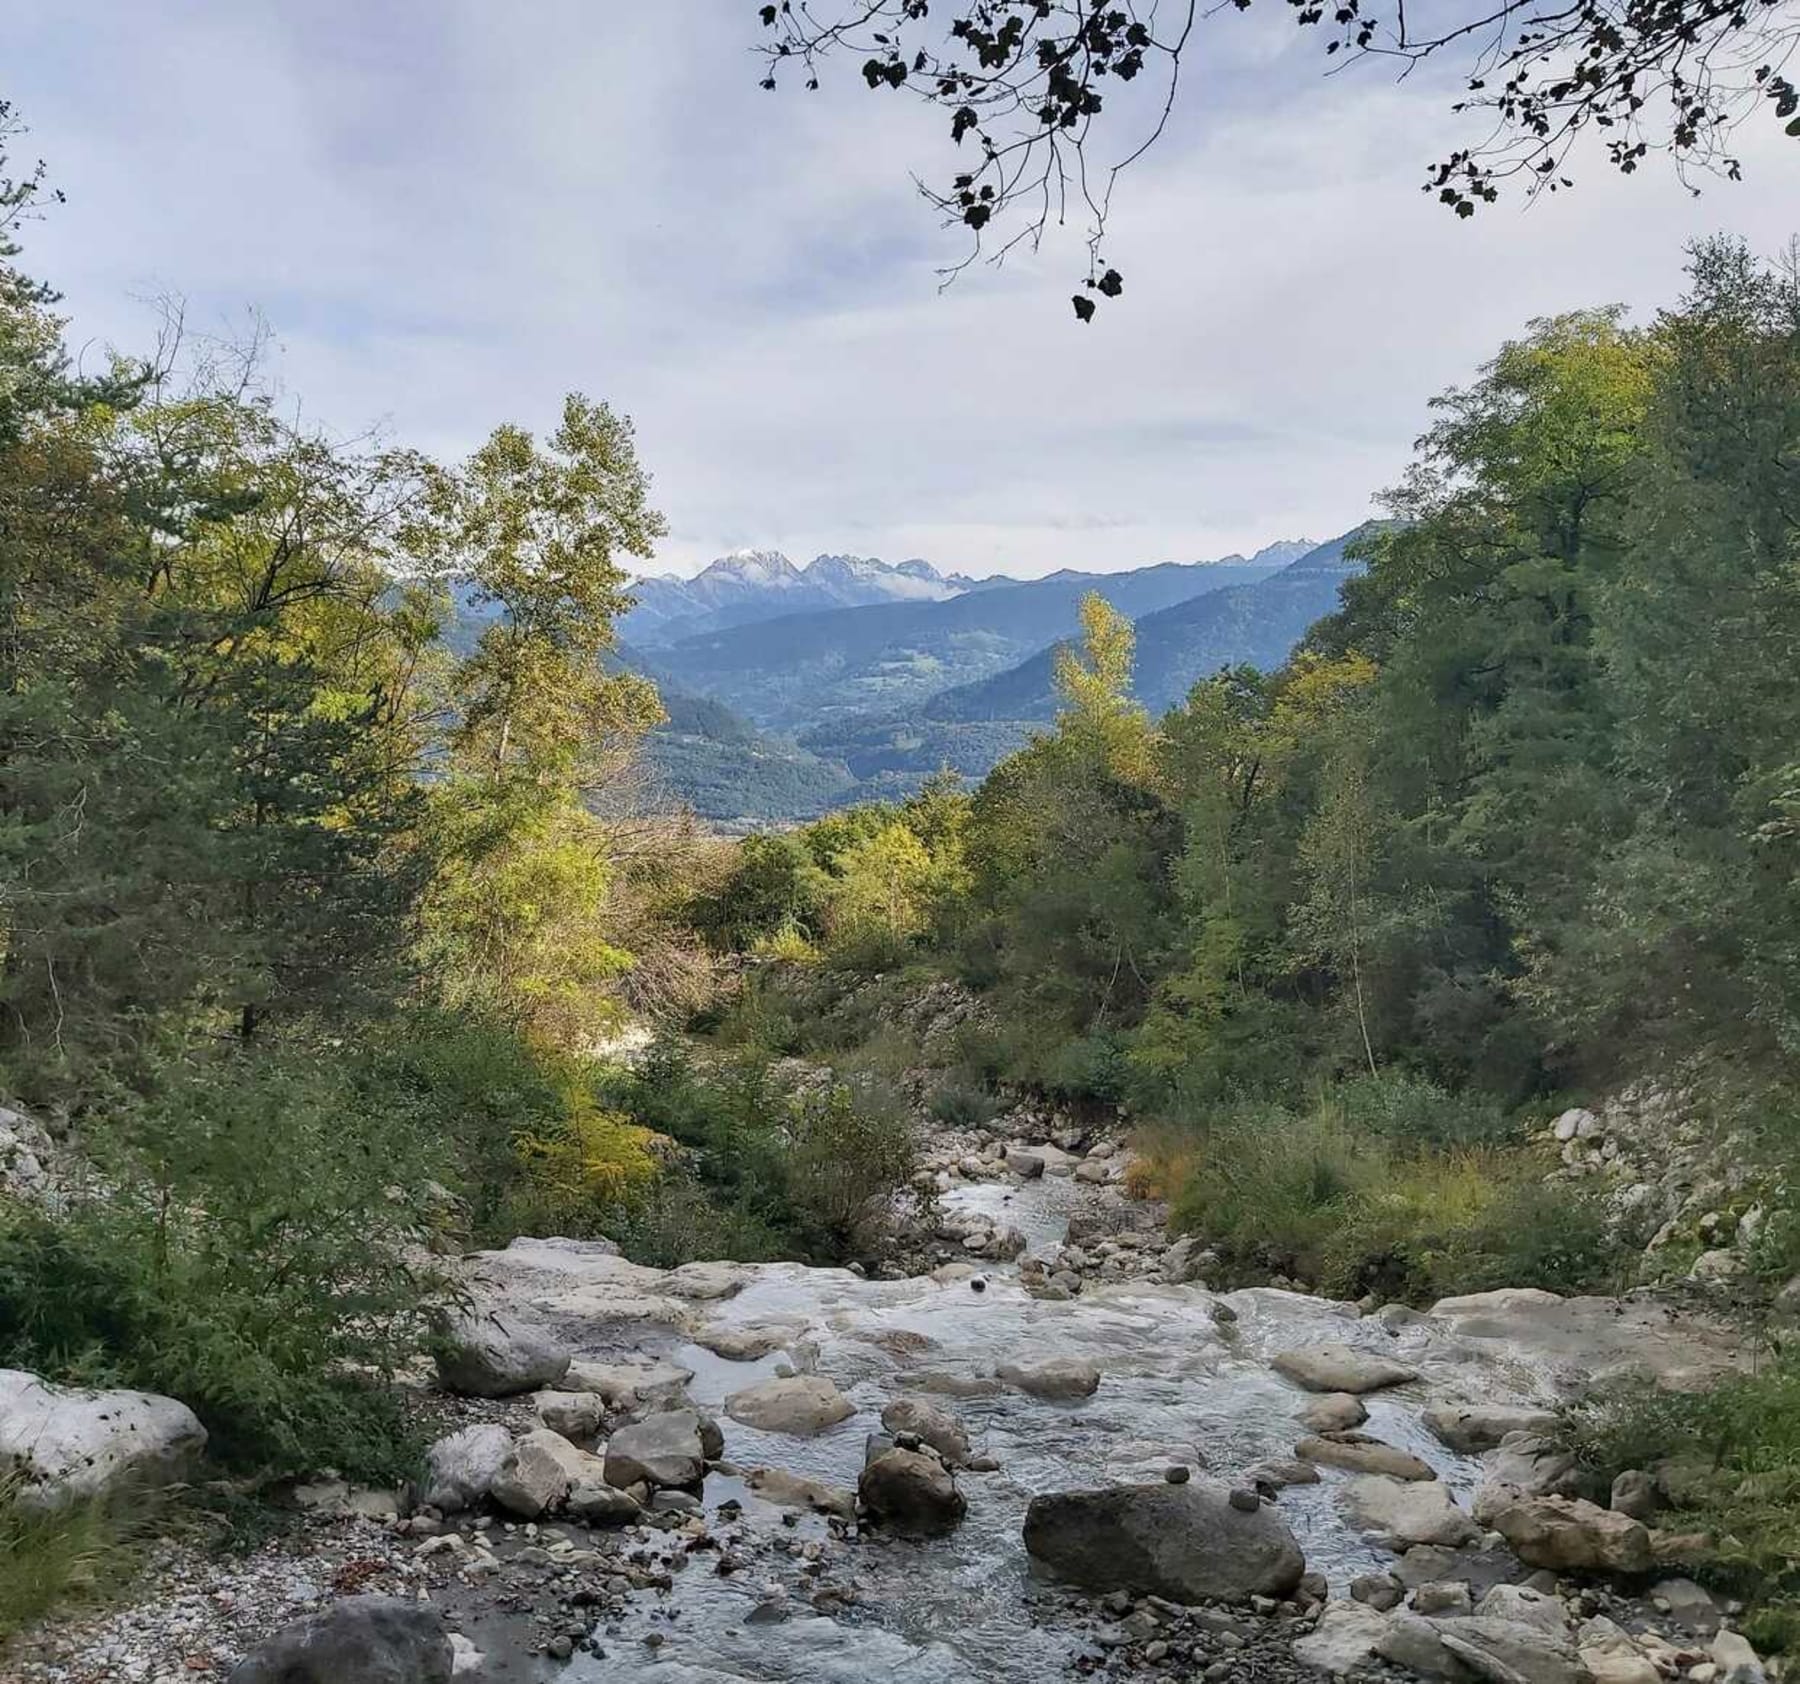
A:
(451, 212)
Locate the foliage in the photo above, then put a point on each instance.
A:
(1730, 1459)
(251, 1251)
(50, 1557)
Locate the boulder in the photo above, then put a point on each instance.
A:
(1185, 1542)
(803, 1405)
(1336, 1367)
(931, 1422)
(1381, 1591)
(793, 1491)
(1443, 1596)
(493, 1353)
(624, 1385)
(1687, 1602)
(539, 1472)
(1510, 1654)
(1026, 1165)
(1412, 1641)
(1407, 1511)
(1358, 1453)
(460, 1469)
(600, 1504)
(1569, 1534)
(663, 1451)
(1634, 1493)
(578, 1416)
(70, 1444)
(1059, 1379)
(1344, 1639)
(910, 1491)
(1333, 1412)
(1736, 1660)
(1531, 1465)
(1520, 1605)
(358, 1640)
(1470, 1428)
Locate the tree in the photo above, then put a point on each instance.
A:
(1030, 89)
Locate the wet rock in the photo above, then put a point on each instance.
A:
(910, 1491)
(493, 1353)
(1337, 1367)
(1359, 1453)
(663, 1451)
(932, 1423)
(803, 1405)
(70, 1444)
(792, 1491)
(1243, 1499)
(1058, 1379)
(538, 1472)
(1471, 1428)
(1344, 1639)
(1569, 1534)
(1333, 1412)
(744, 1344)
(1184, 1542)
(1407, 1511)
(359, 1640)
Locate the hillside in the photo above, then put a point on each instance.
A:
(799, 670)
(1255, 623)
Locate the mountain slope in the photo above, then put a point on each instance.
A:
(1256, 623)
(801, 669)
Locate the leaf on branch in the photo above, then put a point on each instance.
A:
(1112, 283)
(1084, 307)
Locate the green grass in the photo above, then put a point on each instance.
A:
(56, 1558)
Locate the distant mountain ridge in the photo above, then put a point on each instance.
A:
(793, 671)
(751, 585)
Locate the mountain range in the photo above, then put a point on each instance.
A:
(750, 585)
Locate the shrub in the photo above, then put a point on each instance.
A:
(1735, 1450)
(1400, 1106)
(959, 1106)
(254, 1255)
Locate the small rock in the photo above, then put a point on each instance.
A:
(1059, 1378)
(1333, 1412)
(802, 1405)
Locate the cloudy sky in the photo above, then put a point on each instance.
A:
(452, 211)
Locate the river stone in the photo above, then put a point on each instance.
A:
(461, 1468)
(1520, 1605)
(665, 1451)
(1059, 1379)
(1027, 1165)
(1358, 1453)
(600, 1504)
(1337, 1367)
(803, 1404)
(1408, 1511)
(492, 1353)
(793, 1491)
(1531, 1465)
(358, 1640)
(1185, 1542)
(1510, 1654)
(1570, 1534)
(744, 1344)
(623, 1385)
(539, 1471)
(1736, 1660)
(576, 1415)
(931, 1422)
(1333, 1412)
(911, 1491)
(1470, 1428)
(1634, 1493)
(1344, 1639)
(70, 1444)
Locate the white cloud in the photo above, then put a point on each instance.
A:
(451, 213)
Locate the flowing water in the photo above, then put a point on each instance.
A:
(1179, 1386)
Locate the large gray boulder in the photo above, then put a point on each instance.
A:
(1336, 1367)
(539, 1472)
(360, 1640)
(460, 1468)
(493, 1353)
(1344, 1640)
(932, 1423)
(70, 1444)
(910, 1491)
(803, 1405)
(1185, 1542)
(665, 1451)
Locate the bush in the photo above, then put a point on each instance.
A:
(1403, 1107)
(958, 1106)
(1321, 1195)
(1732, 1455)
(254, 1255)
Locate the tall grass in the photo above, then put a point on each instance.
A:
(50, 1558)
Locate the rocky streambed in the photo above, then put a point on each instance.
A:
(1290, 1487)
